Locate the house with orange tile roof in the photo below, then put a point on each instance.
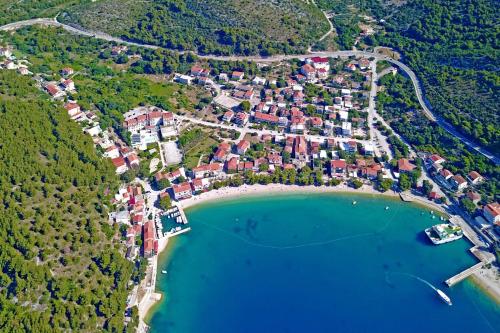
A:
(491, 213)
(182, 191)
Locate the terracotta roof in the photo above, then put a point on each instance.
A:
(459, 179)
(266, 117)
(493, 209)
(182, 187)
(446, 173)
(308, 68)
(243, 145)
(474, 175)
(208, 167)
(435, 157)
(70, 106)
(118, 162)
(405, 165)
(232, 164)
(52, 89)
(338, 164)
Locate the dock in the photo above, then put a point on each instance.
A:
(169, 234)
(484, 260)
(464, 274)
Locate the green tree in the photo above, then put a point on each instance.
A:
(356, 183)
(165, 202)
(385, 185)
(404, 182)
(245, 106)
(163, 183)
(468, 205)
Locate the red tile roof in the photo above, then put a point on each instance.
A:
(435, 158)
(474, 175)
(259, 116)
(308, 68)
(182, 187)
(493, 209)
(71, 105)
(459, 179)
(243, 145)
(118, 162)
(52, 89)
(405, 165)
(445, 173)
(338, 164)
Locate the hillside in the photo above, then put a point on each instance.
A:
(211, 26)
(61, 267)
(22, 10)
(453, 48)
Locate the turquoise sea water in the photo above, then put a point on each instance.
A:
(315, 263)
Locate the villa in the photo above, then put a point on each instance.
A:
(338, 168)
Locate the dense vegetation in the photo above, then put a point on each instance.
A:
(400, 108)
(210, 26)
(22, 10)
(109, 88)
(453, 48)
(61, 267)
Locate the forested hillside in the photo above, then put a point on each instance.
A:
(210, 26)
(61, 267)
(400, 108)
(12, 10)
(453, 47)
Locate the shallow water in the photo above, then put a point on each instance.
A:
(315, 263)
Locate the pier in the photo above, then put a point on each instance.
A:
(464, 274)
(484, 260)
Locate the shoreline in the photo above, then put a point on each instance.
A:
(155, 297)
(486, 284)
(246, 191)
(488, 281)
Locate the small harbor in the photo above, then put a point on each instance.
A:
(172, 222)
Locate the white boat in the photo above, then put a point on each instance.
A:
(163, 272)
(444, 297)
(354, 202)
(444, 233)
(386, 207)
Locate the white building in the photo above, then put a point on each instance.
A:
(259, 81)
(344, 115)
(369, 149)
(184, 79)
(346, 128)
(143, 138)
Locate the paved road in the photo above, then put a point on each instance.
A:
(246, 130)
(416, 83)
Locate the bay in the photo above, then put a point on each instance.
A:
(315, 263)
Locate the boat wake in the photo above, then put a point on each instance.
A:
(412, 276)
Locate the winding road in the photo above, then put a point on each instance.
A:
(331, 54)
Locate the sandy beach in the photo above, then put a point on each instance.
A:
(257, 189)
(488, 279)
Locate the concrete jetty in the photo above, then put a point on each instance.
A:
(484, 260)
(464, 274)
